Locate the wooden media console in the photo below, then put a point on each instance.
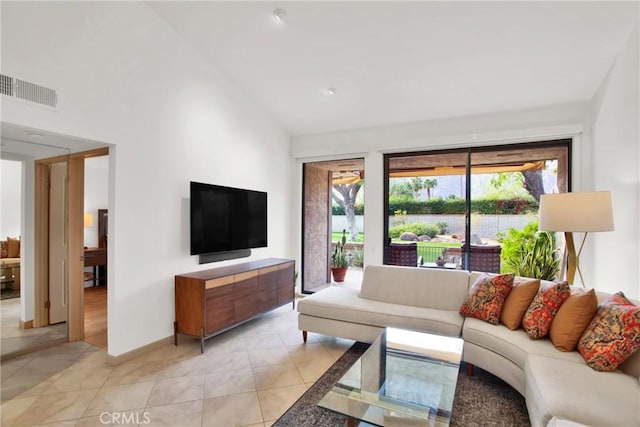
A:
(209, 302)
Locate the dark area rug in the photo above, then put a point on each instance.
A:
(480, 400)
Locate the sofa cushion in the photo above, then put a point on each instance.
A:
(518, 301)
(513, 345)
(539, 316)
(571, 390)
(572, 319)
(563, 422)
(345, 305)
(416, 287)
(486, 297)
(631, 366)
(613, 335)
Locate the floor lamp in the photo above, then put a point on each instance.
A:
(583, 212)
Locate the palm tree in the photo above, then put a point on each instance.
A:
(430, 184)
(417, 184)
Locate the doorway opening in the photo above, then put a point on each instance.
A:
(70, 226)
(333, 206)
(32, 324)
(96, 226)
(20, 331)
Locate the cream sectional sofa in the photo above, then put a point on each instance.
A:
(559, 388)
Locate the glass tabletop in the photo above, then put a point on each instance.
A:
(405, 378)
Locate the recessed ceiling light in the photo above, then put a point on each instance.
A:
(331, 91)
(280, 15)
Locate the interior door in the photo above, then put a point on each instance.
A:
(57, 243)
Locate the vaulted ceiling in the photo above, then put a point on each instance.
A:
(387, 62)
(395, 62)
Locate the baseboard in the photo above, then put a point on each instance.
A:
(125, 357)
(26, 325)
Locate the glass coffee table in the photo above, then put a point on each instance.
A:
(405, 378)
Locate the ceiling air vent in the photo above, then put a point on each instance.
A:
(27, 91)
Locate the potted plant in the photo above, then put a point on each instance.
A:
(530, 253)
(339, 261)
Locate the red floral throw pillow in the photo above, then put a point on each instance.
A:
(539, 316)
(486, 297)
(613, 335)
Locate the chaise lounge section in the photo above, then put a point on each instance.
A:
(559, 387)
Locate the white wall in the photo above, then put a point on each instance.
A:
(96, 194)
(124, 77)
(615, 258)
(10, 200)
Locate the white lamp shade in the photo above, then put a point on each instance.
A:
(581, 212)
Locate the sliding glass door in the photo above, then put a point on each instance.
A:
(469, 208)
(426, 207)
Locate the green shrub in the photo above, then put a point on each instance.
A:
(357, 258)
(530, 253)
(457, 205)
(418, 228)
(503, 206)
(442, 227)
(358, 209)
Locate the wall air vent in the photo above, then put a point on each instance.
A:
(27, 91)
(6, 85)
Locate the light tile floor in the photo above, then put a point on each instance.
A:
(247, 376)
(15, 340)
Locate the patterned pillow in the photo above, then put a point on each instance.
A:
(486, 297)
(613, 335)
(539, 316)
(4, 251)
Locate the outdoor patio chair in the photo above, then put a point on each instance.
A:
(405, 254)
(484, 258)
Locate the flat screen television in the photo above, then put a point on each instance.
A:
(225, 219)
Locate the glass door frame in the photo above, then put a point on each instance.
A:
(469, 151)
(315, 269)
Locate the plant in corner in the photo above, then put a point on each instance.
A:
(530, 253)
(339, 261)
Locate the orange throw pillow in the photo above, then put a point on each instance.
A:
(572, 319)
(537, 320)
(518, 301)
(486, 297)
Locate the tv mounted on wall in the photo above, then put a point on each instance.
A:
(227, 220)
